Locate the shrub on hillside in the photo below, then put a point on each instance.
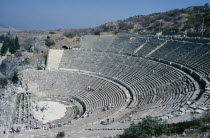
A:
(18, 54)
(147, 128)
(49, 42)
(60, 135)
(26, 61)
(70, 34)
(51, 32)
(196, 122)
(124, 26)
(96, 33)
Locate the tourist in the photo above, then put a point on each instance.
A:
(112, 120)
(107, 120)
(109, 107)
(130, 117)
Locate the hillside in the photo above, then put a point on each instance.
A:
(9, 29)
(191, 19)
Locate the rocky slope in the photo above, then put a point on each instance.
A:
(191, 19)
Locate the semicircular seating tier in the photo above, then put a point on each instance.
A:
(138, 75)
(125, 70)
(193, 53)
(151, 84)
(92, 92)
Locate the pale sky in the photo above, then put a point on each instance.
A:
(55, 14)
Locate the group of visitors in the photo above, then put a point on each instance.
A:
(89, 89)
(87, 114)
(108, 107)
(108, 121)
(12, 130)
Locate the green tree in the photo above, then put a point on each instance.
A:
(15, 78)
(206, 5)
(9, 43)
(17, 43)
(12, 46)
(3, 82)
(2, 38)
(4, 49)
